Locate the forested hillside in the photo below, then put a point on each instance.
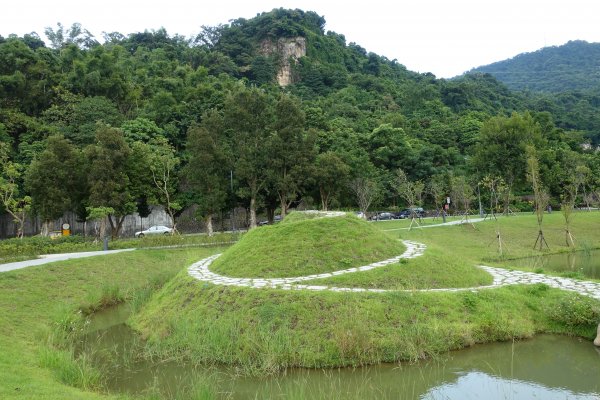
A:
(572, 66)
(152, 118)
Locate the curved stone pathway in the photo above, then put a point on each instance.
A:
(501, 277)
(201, 272)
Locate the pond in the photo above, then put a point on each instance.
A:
(545, 367)
(577, 263)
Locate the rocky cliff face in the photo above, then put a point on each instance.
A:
(289, 50)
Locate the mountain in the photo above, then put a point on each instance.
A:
(572, 66)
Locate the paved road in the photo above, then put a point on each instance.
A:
(457, 222)
(48, 258)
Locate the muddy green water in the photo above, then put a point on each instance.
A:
(546, 367)
(579, 263)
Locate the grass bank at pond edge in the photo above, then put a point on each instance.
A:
(39, 318)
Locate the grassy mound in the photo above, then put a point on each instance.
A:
(303, 246)
(263, 331)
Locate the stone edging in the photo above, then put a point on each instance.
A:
(501, 277)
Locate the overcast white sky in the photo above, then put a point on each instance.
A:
(445, 37)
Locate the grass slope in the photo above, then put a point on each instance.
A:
(36, 300)
(306, 246)
(264, 331)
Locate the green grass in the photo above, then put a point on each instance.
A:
(12, 250)
(37, 317)
(266, 331)
(477, 244)
(433, 270)
(307, 246)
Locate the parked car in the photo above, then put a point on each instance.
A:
(155, 230)
(382, 216)
(406, 213)
(276, 219)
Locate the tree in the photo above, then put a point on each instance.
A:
(541, 196)
(208, 166)
(163, 165)
(76, 35)
(53, 180)
(331, 174)
(436, 187)
(410, 191)
(291, 152)
(14, 202)
(248, 116)
(501, 150)
(366, 191)
(108, 177)
(462, 195)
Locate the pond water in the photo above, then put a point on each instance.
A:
(545, 367)
(583, 263)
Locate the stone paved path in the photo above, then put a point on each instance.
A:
(501, 277)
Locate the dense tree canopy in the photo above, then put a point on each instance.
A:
(231, 137)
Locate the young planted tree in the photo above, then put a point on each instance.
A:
(208, 168)
(436, 187)
(331, 174)
(575, 178)
(462, 193)
(16, 204)
(410, 191)
(540, 195)
(366, 190)
(495, 186)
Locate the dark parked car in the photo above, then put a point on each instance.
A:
(406, 213)
(382, 216)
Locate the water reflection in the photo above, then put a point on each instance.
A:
(546, 367)
(585, 264)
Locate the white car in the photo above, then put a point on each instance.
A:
(155, 230)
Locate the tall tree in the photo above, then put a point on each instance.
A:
(208, 168)
(501, 150)
(108, 177)
(163, 166)
(291, 152)
(248, 117)
(331, 174)
(53, 180)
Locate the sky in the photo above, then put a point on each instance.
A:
(444, 37)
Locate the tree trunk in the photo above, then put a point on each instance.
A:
(209, 224)
(173, 225)
(45, 228)
(284, 206)
(252, 212)
(324, 198)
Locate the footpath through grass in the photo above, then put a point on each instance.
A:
(37, 301)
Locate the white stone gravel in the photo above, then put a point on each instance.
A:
(501, 277)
